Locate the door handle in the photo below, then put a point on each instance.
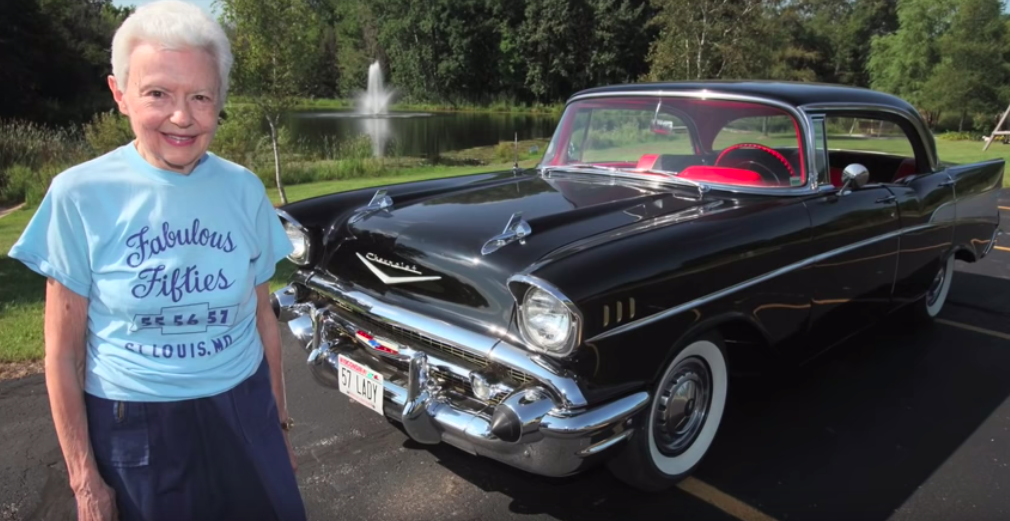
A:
(888, 199)
(948, 182)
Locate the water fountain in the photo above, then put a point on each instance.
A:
(375, 100)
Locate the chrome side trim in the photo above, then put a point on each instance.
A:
(801, 119)
(644, 321)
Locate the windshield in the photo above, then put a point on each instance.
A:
(710, 141)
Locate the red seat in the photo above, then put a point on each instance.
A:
(836, 176)
(723, 175)
(905, 169)
(647, 161)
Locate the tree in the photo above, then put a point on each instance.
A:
(621, 38)
(273, 42)
(55, 57)
(973, 72)
(555, 39)
(711, 39)
(902, 62)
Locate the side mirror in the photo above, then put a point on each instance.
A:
(855, 175)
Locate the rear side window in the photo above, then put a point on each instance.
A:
(868, 135)
(882, 146)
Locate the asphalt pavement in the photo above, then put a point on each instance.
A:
(897, 424)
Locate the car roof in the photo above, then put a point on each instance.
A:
(791, 93)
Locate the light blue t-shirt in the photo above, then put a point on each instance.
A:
(169, 263)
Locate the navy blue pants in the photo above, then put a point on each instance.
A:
(216, 458)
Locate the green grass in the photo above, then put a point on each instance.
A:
(22, 296)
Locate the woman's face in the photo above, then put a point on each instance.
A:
(171, 99)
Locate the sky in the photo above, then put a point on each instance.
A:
(204, 4)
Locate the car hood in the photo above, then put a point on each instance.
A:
(425, 253)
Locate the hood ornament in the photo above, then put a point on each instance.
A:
(370, 260)
(516, 230)
(380, 202)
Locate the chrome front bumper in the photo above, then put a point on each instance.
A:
(536, 418)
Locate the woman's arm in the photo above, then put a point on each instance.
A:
(66, 322)
(266, 324)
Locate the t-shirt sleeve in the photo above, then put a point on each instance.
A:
(274, 242)
(55, 243)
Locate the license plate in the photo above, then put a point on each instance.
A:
(361, 383)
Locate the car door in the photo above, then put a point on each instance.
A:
(856, 235)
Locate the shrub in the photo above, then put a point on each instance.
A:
(33, 145)
(25, 147)
(107, 131)
(28, 184)
(959, 136)
(241, 138)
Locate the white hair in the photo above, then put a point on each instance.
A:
(171, 24)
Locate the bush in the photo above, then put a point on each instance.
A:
(240, 138)
(28, 184)
(107, 131)
(26, 147)
(33, 145)
(959, 136)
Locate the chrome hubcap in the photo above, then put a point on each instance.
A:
(682, 407)
(934, 287)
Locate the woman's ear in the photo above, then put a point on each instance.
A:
(118, 95)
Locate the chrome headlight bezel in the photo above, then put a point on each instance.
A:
(292, 226)
(521, 287)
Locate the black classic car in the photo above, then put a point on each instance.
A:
(593, 308)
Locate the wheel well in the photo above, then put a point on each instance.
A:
(964, 254)
(747, 347)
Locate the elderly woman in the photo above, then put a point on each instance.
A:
(163, 359)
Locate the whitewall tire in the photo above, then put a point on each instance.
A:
(931, 304)
(682, 419)
(936, 296)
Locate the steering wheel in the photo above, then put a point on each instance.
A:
(772, 165)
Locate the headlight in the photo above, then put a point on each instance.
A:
(300, 241)
(547, 322)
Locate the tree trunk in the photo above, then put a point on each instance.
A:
(277, 159)
(764, 126)
(960, 125)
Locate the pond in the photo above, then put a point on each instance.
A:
(418, 133)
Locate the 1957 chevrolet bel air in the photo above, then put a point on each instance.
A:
(592, 309)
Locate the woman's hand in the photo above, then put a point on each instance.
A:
(96, 501)
(66, 321)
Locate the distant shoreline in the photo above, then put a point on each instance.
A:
(553, 109)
